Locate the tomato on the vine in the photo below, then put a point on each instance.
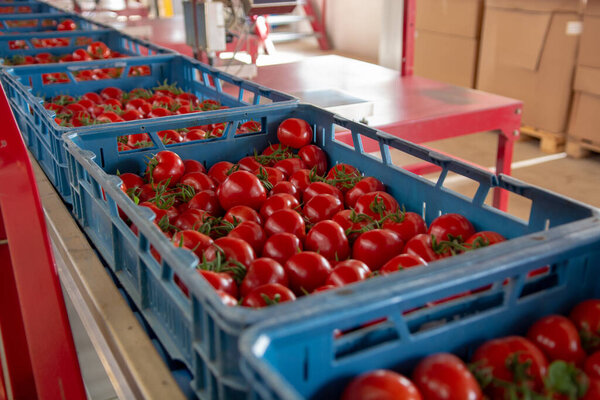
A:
(314, 157)
(376, 205)
(444, 376)
(376, 247)
(262, 271)
(451, 226)
(267, 295)
(408, 226)
(586, 317)
(285, 220)
(558, 338)
(166, 166)
(307, 271)
(401, 262)
(294, 132)
(242, 188)
(328, 239)
(381, 385)
(281, 246)
(348, 271)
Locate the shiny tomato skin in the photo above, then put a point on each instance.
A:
(166, 165)
(219, 171)
(220, 281)
(275, 292)
(190, 219)
(193, 166)
(285, 187)
(420, 246)
(111, 93)
(411, 226)
(198, 180)
(376, 247)
(131, 181)
(286, 220)
(586, 317)
(376, 204)
(294, 132)
(365, 185)
(249, 164)
(342, 172)
(193, 240)
(316, 188)
(592, 366)
(452, 224)
(262, 271)
(494, 354)
(444, 376)
(348, 271)
(252, 233)
(344, 219)
(238, 214)
(274, 175)
(322, 207)
(278, 202)
(227, 299)
(233, 249)
(314, 157)
(281, 246)
(289, 166)
(206, 200)
(593, 392)
(400, 262)
(306, 271)
(300, 179)
(558, 338)
(328, 239)
(483, 239)
(242, 188)
(381, 385)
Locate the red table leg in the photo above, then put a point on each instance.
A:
(503, 166)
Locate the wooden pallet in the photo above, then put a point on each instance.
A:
(550, 142)
(578, 148)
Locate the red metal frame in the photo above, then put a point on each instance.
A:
(34, 327)
(408, 37)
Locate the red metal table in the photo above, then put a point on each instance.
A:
(410, 107)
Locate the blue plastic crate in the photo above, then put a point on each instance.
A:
(115, 40)
(46, 21)
(34, 7)
(43, 135)
(301, 357)
(203, 332)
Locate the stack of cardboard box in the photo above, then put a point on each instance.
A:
(584, 126)
(447, 40)
(528, 52)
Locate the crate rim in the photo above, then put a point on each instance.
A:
(254, 341)
(199, 287)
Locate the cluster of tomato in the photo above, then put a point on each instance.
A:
(65, 25)
(44, 43)
(12, 10)
(114, 105)
(94, 51)
(281, 224)
(558, 359)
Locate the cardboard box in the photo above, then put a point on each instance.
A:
(585, 114)
(539, 5)
(454, 17)
(451, 59)
(589, 46)
(593, 8)
(530, 55)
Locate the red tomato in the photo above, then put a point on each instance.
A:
(421, 246)
(364, 186)
(220, 281)
(227, 299)
(252, 233)
(328, 239)
(249, 127)
(381, 385)
(285, 187)
(285, 220)
(94, 97)
(377, 247)
(220, 171)
(376, 205)
(276, 152)
(289, 166)
(592, 366)
(198, 181)
(242, 188)
(272, 175)
(165, 166)
(314, 157)
(239, 214)
(278, 202)
(593, 392)
(586, 317)
(138, 140)
(131, 181)
(99, 50)
(401, 262)
(193, 240)
(281, 246)
(193, 134)
(307, 271)
(260, 272)
(502, 357)
(190, 219)
(267, 295)
(483, 239)
(249, 164)
(449, 226)
(170, 136)
(557, 337)
(233, 249)
(352, 223)
(132, 115)
(322, 207)
(343, 176)
(444, 376)
(294, 132)
(301, 179)
(408, 227)
(348, 271)
(208, 201)
(111, 93)
(316, 188)
(66, 25)
(193, 166)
